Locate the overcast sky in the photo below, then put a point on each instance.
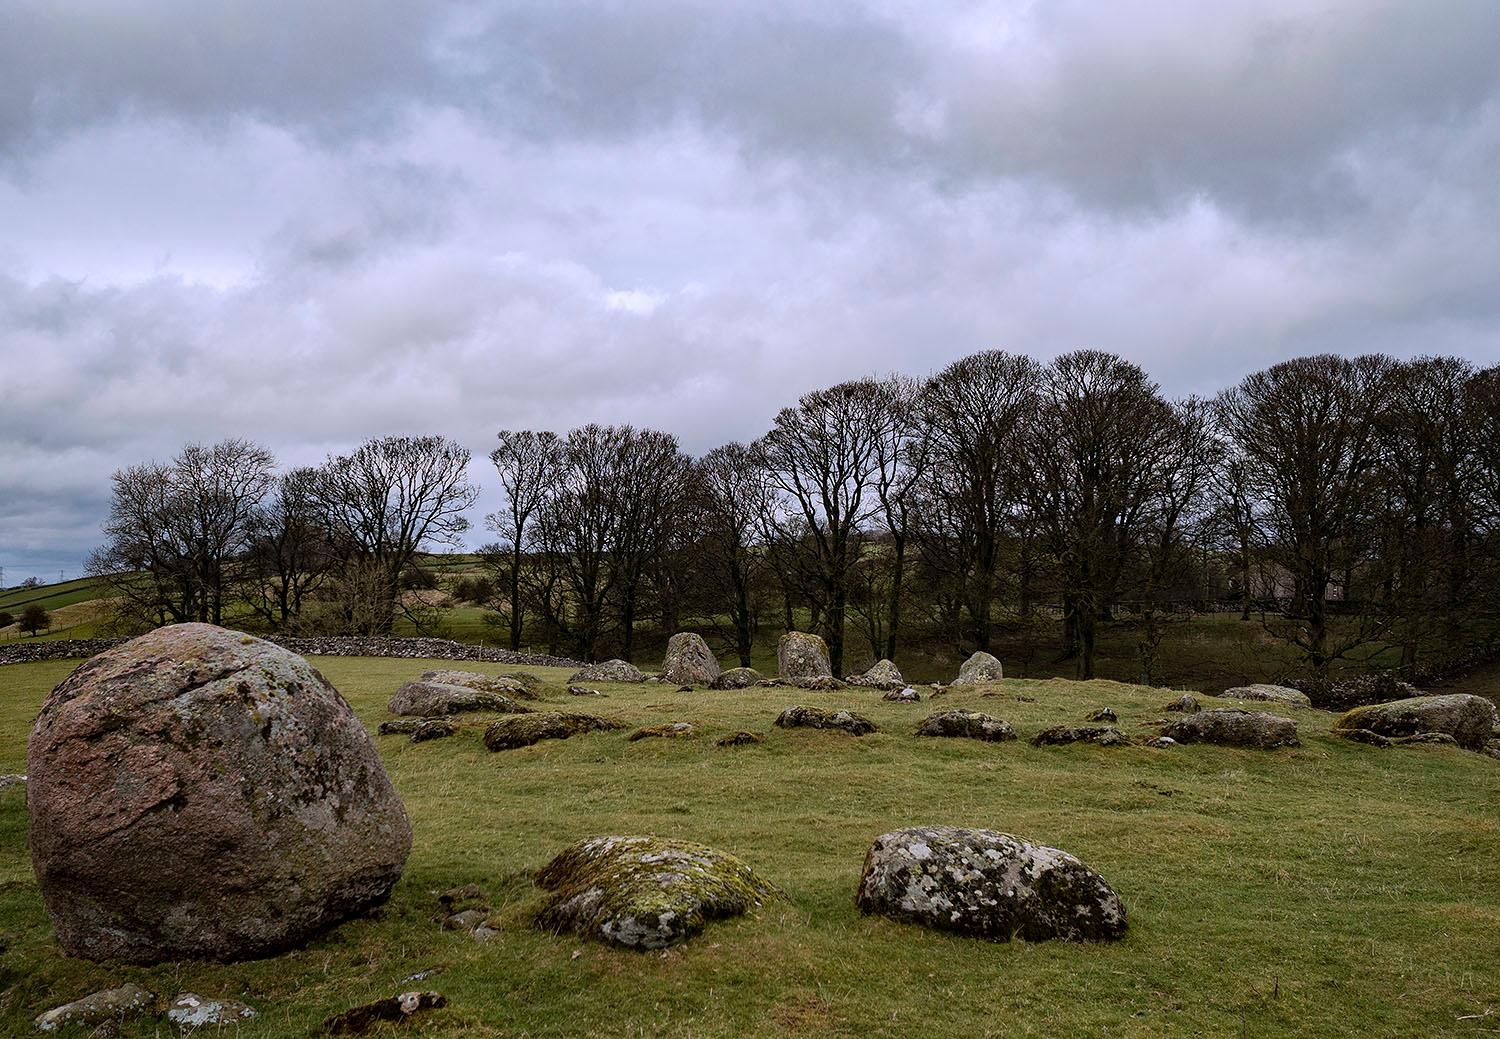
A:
(310, 223)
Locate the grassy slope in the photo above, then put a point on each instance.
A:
(1327, 891)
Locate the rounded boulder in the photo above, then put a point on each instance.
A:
(689, 661)
(800, 656)
(229, 760)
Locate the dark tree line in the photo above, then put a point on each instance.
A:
(1346, 504)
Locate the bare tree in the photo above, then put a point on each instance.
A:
(528, 463)
(1307, 431)
(731, 498)
(390, 499)
(902, 454)
(289, 551)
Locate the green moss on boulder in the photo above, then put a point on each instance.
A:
(1469, 719)
(526, 729)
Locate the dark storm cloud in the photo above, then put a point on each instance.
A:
(310, 223)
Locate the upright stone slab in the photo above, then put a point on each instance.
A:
(689, 661)
(800, 656)
(981, 667)
(200, 794)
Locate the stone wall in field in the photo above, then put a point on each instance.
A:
(25, 651)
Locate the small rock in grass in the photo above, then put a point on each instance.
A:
(108, 1005)
(1058, 735)
(645, 892)
(1264, 691)
(818, 718)
(738, 678)
(7, 782)
(462, 894)
(740, 739)
(666, 730)
(1103, 714)
(432, 729)
(467, 920)
(526, 729)
(578, 690)
(907, 695)
(361, 1019)
(969, 724)
(1161, 743)
(986, 884)
(819, 683)
(684, 689)
(1187, 703)
(1365, 736)
(192, 1012)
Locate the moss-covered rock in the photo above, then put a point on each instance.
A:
(645, 892)
(608, 671)
(430, 699)
(1267, 693)
(738, 678)
(987, 885)
(906, 695)
(689, 661)
(526, 729)
(1187, 703)
(1233, 727)
(820, 683)
(817, 718)
(1103, 735)
(99, 1010)
(740, 739)
(505, 685)
(1469, 719)
(970, 724)
(531, 683)
(981, 667)
(881, 675)
(800, 656)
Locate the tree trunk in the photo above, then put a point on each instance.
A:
(898, 561)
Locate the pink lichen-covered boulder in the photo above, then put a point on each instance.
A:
(198, 793)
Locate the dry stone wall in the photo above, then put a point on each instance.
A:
(27, 651)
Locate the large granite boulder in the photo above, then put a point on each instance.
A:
(428, 699)
(800, 656)
(608, 671)
(689, 661)
(988, 885)
(1233, 727)
(200, 794)
(738, 678)
(645, 892)
(524, 730)
(506, 685)
(1469, 719)
(882, 675)
(981, 667)
(818, 718)
(970, 724)
(1265, 692)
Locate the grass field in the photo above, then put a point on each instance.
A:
(1333, 890)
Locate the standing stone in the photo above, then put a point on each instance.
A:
(200, 794)
(987, 885)
(981, 667)
(689, 661)
(800, 656)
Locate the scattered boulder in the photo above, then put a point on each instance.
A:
(740, 739)
(970, 724)
(1103, 714)
(666, 730)
(400, 726)
(1373, 739)
(110, 1006)
(981, 667)
(1103, 735)
(578, 690)
(907, 695)
(817, 718)
(645, 892)
(430, 699)
(800, 656)
(987, 885)
(1187, 703)
(9, 782)
(738, 678)
(361, 1019)
(505, 685)
(462, 895)
(197, 746)
(526, 729)
(1161, 743)
(1469, 719)
(192, 1012)
(1233, 727)
(432, 729)
(822, 683)
(608, 671)
(882, 675)
(689, 661)
(466, 920)
(1440, 739)
(1279, 694)
(531, 683)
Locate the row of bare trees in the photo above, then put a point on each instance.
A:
(1346, 503)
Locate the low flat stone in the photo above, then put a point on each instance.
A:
(1103, 714)
(967, 724)
(738, 678)
(361, 1019)
(1470, 720)
(608, 671)
(1161, 743)
(740, 739)
(666, 730)
(1233, 727)
(822, 683)
(430, 699)
(578, 690)
(433, 729)
(460, 895)
(192, 1012)
(1187, 703)
(1268, 693)
(465, 920)
(645, 892)
(505, 685)
(526, 729)
(1102, 735)
(907, 695)
(981, 667)
(817, 718)
(989, 885)
(113, 1005)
